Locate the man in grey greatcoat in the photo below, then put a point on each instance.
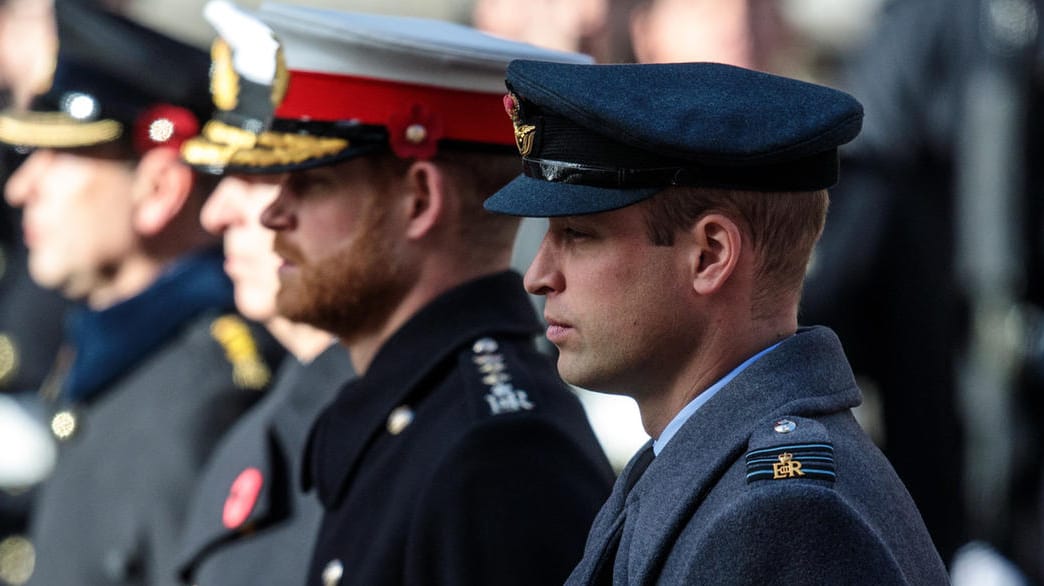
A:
(684, 202)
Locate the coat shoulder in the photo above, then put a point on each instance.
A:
(506, 375)
(790, 448)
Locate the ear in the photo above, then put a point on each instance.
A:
(162, 186)
(426, 186)
(718, 244)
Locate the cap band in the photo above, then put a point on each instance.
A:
(465, 116)
(808, 174)
(55, 130)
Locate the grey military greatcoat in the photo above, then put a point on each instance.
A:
(771, 481)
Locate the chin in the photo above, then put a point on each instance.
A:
(48, 279)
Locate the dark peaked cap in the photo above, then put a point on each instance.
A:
(600, 137)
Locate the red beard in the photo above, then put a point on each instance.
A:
(350, 291)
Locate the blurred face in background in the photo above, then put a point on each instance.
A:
(77, 218)
(555, 24)
(233, 211)
(28, 46)
(745, 33)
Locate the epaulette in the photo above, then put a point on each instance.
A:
(502, 396)
(249, 370)
(788, 447)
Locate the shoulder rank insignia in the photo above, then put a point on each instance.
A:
(503, 396)
(811, 460)
(249, 371)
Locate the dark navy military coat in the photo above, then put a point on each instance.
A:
(460, 457)
(249, 522)
(772, 481)
(112, 511)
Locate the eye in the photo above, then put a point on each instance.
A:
(574, 234)
(302, 183)
(568, 230)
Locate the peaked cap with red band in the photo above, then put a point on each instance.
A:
(298, 87)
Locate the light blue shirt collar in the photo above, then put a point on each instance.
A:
(687, 411)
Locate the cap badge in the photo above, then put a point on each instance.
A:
(164, 125)
(281, 79)
(242, 497)
(523, 132)
(224, 81)
(415, 134)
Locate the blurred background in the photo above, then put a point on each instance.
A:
(929, 268)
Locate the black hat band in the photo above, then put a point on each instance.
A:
(818, 171)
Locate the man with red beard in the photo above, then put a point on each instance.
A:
(458, 456)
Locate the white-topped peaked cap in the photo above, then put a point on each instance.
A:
(397, 48)
(348, 84)
(257, 61)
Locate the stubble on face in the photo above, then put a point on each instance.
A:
(352, 290)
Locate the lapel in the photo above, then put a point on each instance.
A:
(604, 526)
(806, 375)
(313, 387)
(220, 512)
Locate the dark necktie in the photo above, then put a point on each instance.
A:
(603, 574)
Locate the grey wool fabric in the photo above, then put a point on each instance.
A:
(695, 517)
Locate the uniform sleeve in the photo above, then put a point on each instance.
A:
(511, 504)
(797, 534)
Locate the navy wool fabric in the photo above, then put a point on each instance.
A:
(493, 480)
(600, 137)
(694, 516)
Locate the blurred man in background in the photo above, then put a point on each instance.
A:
(250, 522)
(155, 367)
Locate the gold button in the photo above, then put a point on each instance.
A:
(64, 424)
(8, 358)
(17, 560)
(399, 419)
(332, 573)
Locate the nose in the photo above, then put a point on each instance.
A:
(278, 215)
(543, 276)
(217, 213)
(23, 183)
